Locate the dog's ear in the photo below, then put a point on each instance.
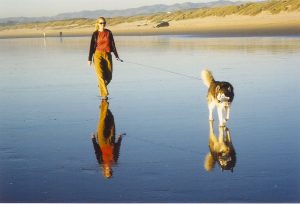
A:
(218, 88)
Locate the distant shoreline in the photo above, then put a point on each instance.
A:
(265, 24)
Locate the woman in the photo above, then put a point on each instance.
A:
(102, 44)
(107, 150)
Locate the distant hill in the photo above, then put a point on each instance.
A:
(158, 8)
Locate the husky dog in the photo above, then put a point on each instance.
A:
(221, 150)
(219, 94)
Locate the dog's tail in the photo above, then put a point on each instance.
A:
(207, 77)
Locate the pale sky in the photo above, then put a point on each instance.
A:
(38, 8)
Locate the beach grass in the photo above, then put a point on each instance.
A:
(82, 25)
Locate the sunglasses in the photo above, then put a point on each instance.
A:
(102, 23)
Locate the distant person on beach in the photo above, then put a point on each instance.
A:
(102, 44)
(107, 151)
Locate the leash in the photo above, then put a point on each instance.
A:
(161, 69)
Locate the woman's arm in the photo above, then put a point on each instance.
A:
(92, 48)
(113, 45)
(97, 149)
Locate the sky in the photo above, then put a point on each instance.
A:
(38, 8)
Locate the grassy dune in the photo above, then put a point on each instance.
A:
(250, 9)
(217, 14)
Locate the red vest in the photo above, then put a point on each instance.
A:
(103, 41)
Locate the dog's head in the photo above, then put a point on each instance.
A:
(226, 159)
(224, 93)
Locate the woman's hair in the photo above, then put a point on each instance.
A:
(96, 24)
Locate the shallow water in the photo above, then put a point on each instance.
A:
(49, 110)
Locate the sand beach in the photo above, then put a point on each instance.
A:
(152, 140)
(263, 24)
(50, 108)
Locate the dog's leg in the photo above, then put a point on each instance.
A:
(213, 141)
(211, 128)
(227, 110)
(211, 106)
(228, 136)
(221, 134)
(220, 114)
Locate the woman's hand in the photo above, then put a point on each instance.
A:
(90, 63)
(119, 59)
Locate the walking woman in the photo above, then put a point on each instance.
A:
(102, 44)
(106, 145)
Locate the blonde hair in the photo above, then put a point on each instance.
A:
(96, 24)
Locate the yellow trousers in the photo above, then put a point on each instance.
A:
(106, 125)
(103, 69)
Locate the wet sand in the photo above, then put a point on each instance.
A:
(265, 24)
(50, 108)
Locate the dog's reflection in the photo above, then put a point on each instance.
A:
(221, 149)
(106, 149)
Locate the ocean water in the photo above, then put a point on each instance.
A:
(50, 109)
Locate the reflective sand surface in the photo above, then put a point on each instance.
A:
(53, 125)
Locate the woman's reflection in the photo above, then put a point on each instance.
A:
(221, 150)
(106, 149)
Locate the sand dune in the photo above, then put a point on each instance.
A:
(284, 23)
